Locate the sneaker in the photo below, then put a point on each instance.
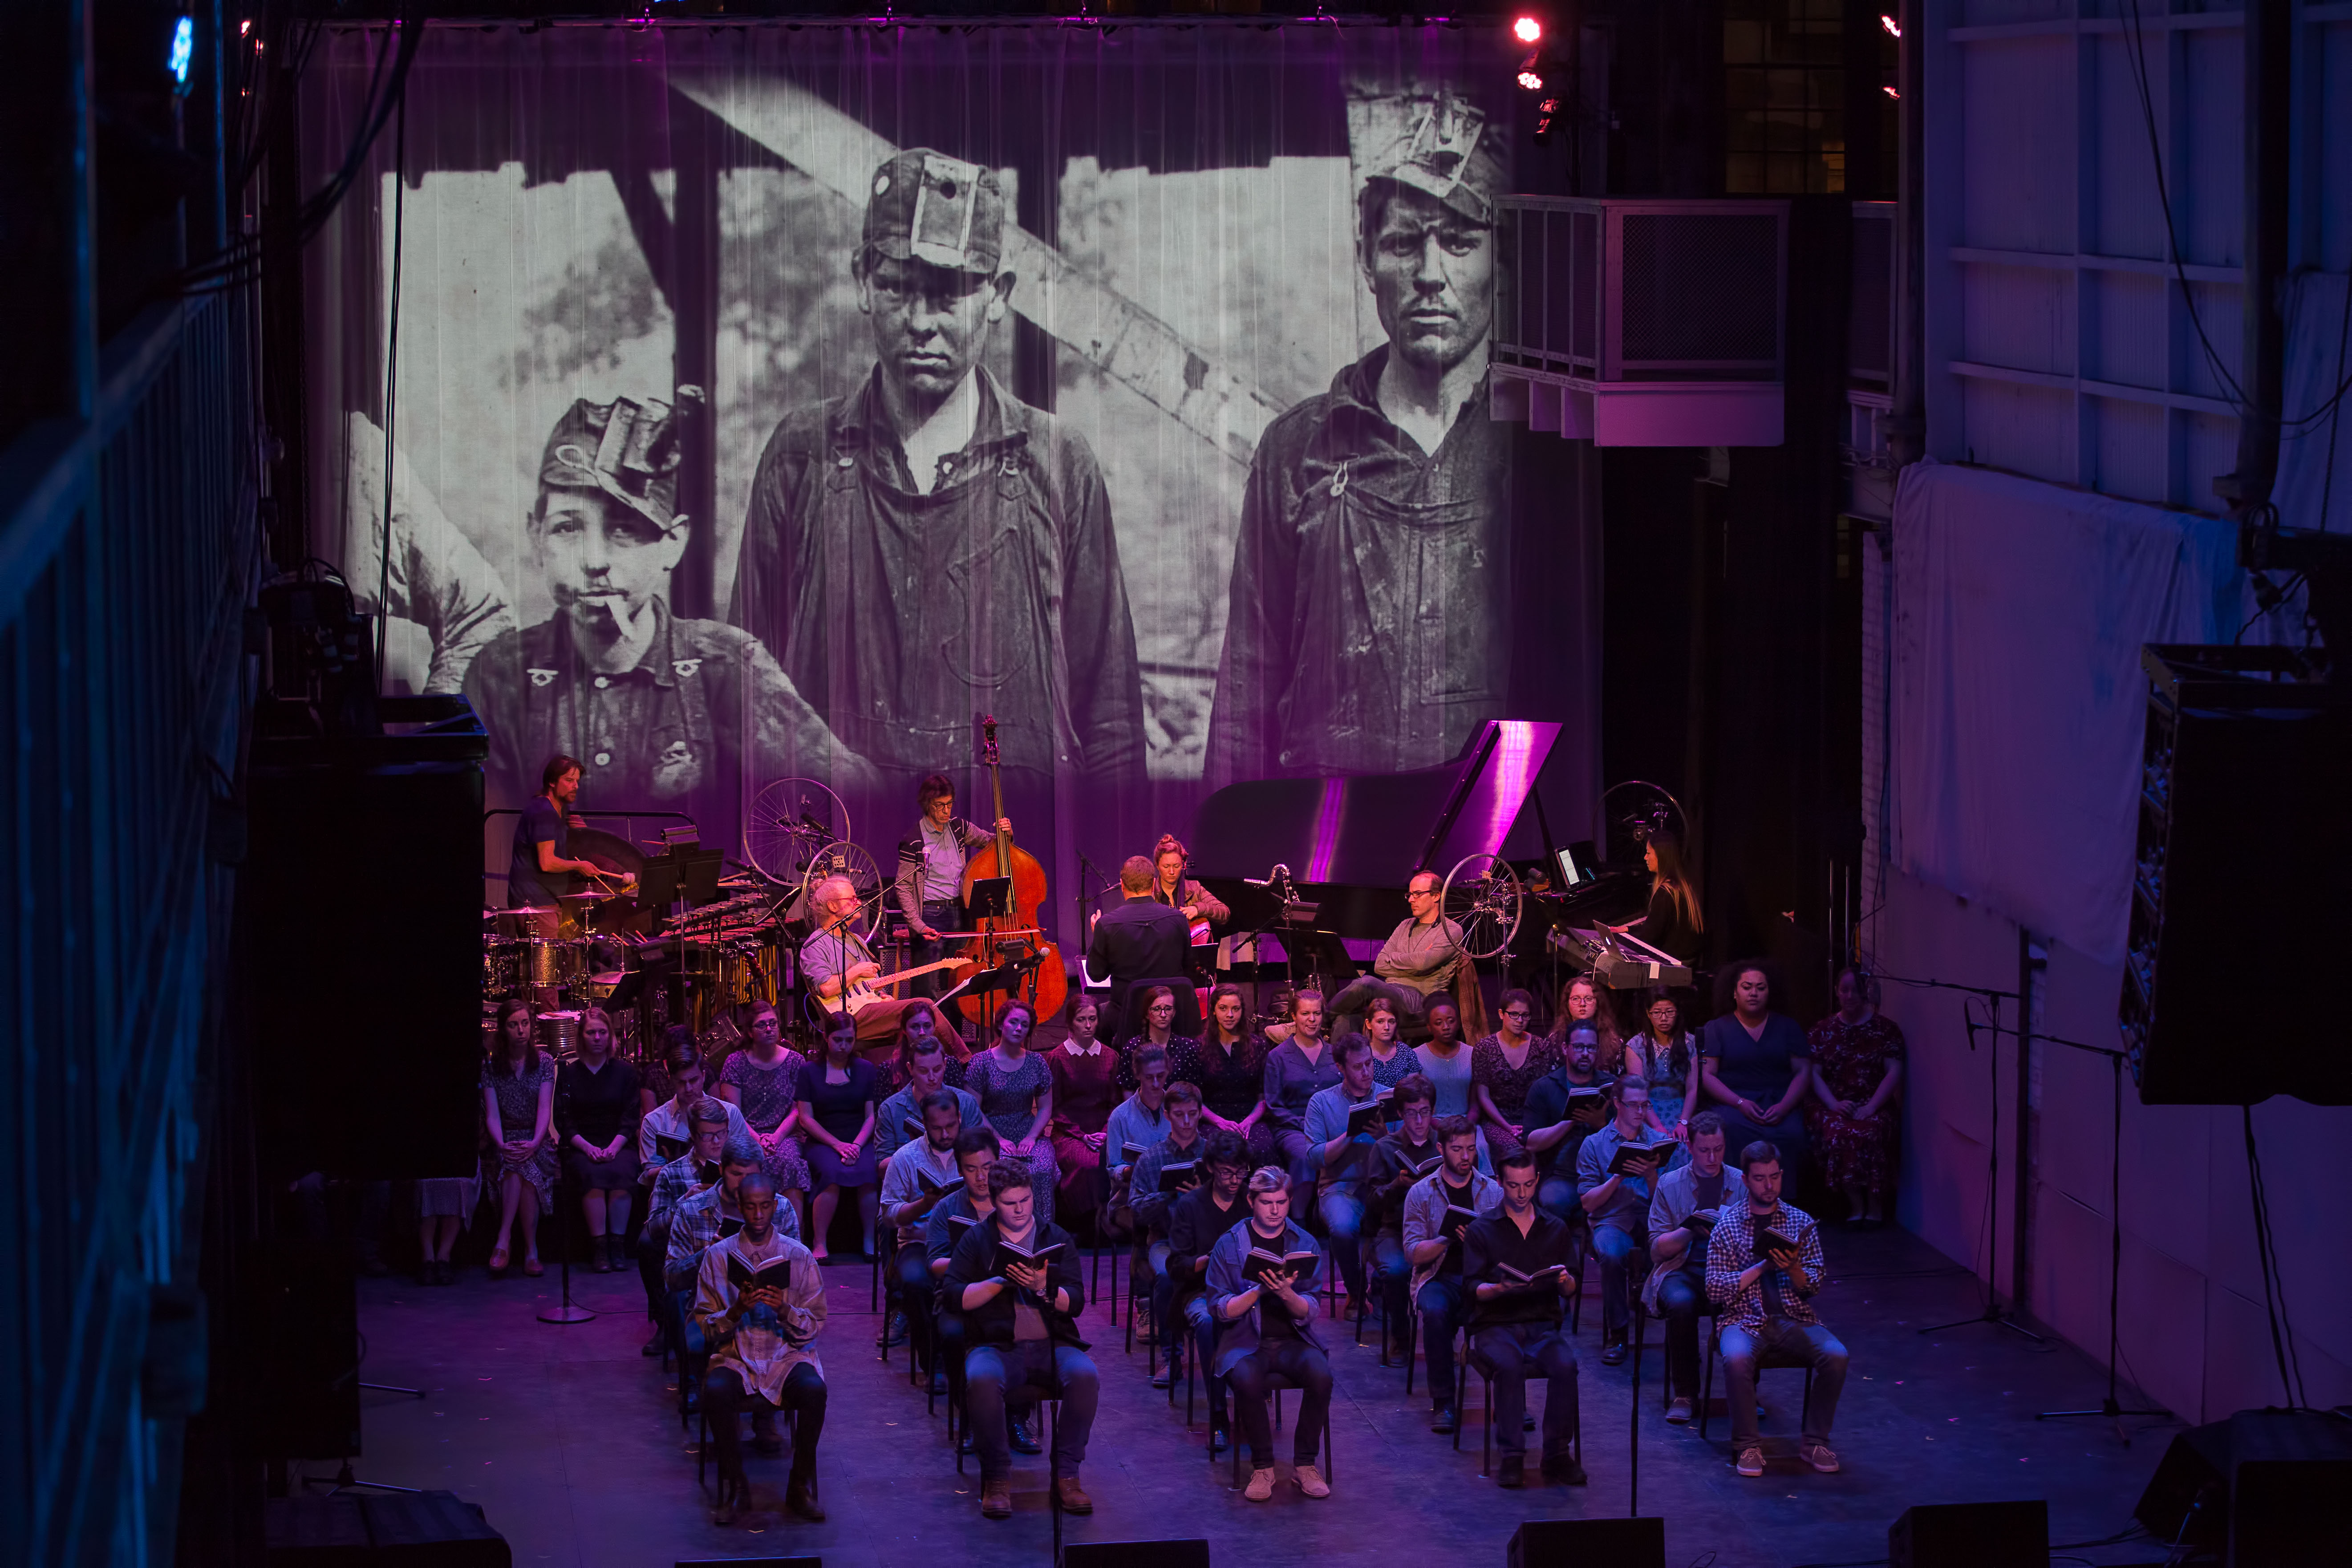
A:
(1220, 1439)
(1442, 1421)
(896, 1334)
(1310, 1482)
(1022, 1440)
(1679, 1412)
(995, 1498)
(1751, 1462)
(1614, 1352)
(1261, 1485)
(1513, 1475)
(1821, 1456)
(1073, 1497)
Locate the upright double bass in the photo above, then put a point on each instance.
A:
(1018, 936)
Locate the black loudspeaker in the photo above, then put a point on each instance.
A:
(1970, 1535)
(1136, 1554)
(414, 1529)
(751, 1562)
(2264, 1489)
(361, 919)
(2242, 784)
(1589, 1543)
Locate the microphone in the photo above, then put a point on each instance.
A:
(1279, 871)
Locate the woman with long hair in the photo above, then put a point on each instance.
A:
(1392, 1062)
(596, 1117)
(1855, 1116)
(1155, 1012)
(1674, 923)
(519, 1112)
(1015, 1090)
(836, 1121)
(1757, 1063)
(1233, 1075)
(1582, 1003)
(1665, 1056)
(1503, 1065)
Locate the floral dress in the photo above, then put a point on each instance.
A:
(1083, 1097)
(767, 1096)
(517, 1097)
(1008, 1101)
(1507, 1085)
(1852, 1059)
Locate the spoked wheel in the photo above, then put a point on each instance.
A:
(1482, 896)
(790, 821)
(844, 859)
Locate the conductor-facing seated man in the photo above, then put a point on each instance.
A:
(761, 1302)
(1017, 1283)
(1263, 1276)
(1517, 1261)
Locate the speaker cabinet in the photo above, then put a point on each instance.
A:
(2262, 1488)
(1136, 1554)
(1589, 1543)
(1970, 1535)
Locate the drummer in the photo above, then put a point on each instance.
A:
(539, 870)
(834, 958)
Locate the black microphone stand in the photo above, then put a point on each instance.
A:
(2110, 1407)
(567, 1312)
(1999, 1316)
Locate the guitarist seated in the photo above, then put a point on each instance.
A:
(840, 971)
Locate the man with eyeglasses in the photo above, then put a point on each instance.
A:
(929, 546)
(1418, 961)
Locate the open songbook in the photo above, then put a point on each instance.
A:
(1372, 1116)
(937, 1186)
(1769, 1240)
(1700, 1221)
(1175, 1174)
(1546, 1278)
(913, 1125)
(1261, 1261)
(776, 1273)
(1010, 1252)
(1422, 1168)
(670, 1148)
(1629, 1153)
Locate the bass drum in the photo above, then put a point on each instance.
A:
(502, 969)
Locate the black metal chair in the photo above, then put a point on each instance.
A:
(1765, 1362)
(1275, 1383)
(1487, 1408)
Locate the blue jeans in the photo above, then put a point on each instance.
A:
(1682, 1295)
(1777, 1342)
(1205, 1350)
(1343, 1224)
(1395, 1280)
(1443, 1302)
(942, 915)
(1620, 1252)
(1064, 1370)
(1556, 1195)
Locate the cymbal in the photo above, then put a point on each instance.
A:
(610, 850)
(592, 896)
(529, 909)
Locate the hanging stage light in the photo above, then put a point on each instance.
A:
(1527, 29)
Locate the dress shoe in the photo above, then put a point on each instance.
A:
(939, 1385)
(800, 1498)
(689, 1394)
(1442, 1421)
(1513, 1473)
(1612, 1354)
(1165, 1377)
(655, 1345)
(1071, 1496)
(734, 1496)
(1563, 1467)
(1022, 1440)
(1220, 1437)
(1678, 1414)
(896, 1334)
(995, 1498)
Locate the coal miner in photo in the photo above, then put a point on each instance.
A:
(1368, 623)
(929, 547)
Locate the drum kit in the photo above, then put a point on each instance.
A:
(654, 966)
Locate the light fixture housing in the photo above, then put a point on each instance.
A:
(1527, 29)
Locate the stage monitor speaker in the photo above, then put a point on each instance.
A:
(2238, 926)
(1970, 1535)
(1589, 1543)
(409, 1530)
(2262, 1489)
(751, 1562)
(1136, 1554)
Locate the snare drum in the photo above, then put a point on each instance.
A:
(555, 962)
(559, 1035)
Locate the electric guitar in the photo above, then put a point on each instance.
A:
(856, 998)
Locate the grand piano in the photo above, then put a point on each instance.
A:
(1320, 864)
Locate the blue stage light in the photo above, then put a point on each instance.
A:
(183, 49)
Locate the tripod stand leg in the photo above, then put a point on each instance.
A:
(392, 1388)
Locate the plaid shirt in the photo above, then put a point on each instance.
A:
(1732, 1248)
(699, 1218)
(673, 1184)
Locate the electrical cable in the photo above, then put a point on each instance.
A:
(2235, 395)
(2274, 1283)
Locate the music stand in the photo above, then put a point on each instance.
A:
(990, 899)
(657, 884)
(698, 871)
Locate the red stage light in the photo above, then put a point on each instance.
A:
(1527, 29)
(1531, 80)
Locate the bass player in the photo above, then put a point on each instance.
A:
(836, 966)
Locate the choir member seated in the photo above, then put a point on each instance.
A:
(1517, 1261)
(1210, 1208)
(1437, 1209)
(1263, 1278)
(761, 1302)
(916, 1179)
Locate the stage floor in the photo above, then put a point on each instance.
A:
(570, 1441)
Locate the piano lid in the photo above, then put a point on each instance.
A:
(1351, 843)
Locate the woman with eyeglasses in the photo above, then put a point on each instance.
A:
(1503, 1067)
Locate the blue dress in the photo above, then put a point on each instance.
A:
(1758, 1067)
